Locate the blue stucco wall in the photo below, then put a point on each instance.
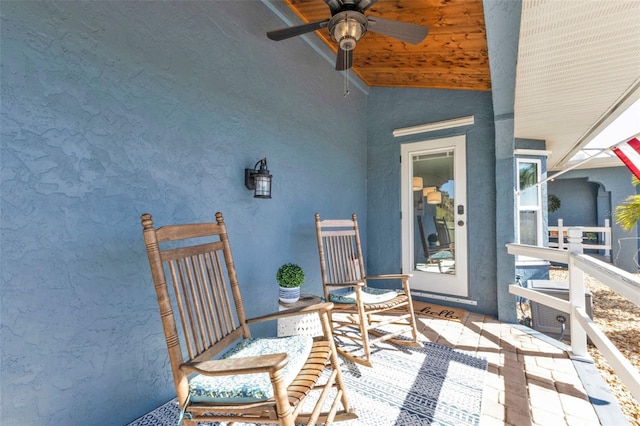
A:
(113, 109)
(389, 109)
(578, 202)
(502, 19)
(615, 186)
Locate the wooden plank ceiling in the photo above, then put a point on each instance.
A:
(453, 56)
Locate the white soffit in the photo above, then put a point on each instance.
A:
(578, 65)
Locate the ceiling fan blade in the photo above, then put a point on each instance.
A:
(403, 31)
(289, 32)
(344, 60)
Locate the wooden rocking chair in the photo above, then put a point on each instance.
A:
(357, 306)
(444, 251)
(260, 380)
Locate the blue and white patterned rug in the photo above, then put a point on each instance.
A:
(433, 385)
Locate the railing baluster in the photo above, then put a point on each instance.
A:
(607, 238)
(576, 295)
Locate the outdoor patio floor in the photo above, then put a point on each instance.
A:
(529, 381)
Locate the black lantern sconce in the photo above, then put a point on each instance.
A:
(258, 180)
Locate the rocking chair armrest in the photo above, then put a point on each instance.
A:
(318, 307)
(358, 283)
(403, 277)
(389, 276)
(233, 366)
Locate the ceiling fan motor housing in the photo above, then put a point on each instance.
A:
(347, 28)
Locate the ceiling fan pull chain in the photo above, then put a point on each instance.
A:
(346, 77)
(346, 83)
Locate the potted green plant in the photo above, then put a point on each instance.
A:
(553, 202)
(289, 277)
(433, 240)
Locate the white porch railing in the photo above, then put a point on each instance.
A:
(603, 233)
(624, 283)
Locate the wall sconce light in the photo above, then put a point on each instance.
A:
(417, 183)
(434, 197)
(258, 180)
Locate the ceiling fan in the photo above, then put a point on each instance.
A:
(348, 24)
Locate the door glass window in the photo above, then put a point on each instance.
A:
(433, 214)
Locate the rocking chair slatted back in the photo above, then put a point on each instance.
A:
(202, 297)
(443, 231)
(197, 280)
(341, 261)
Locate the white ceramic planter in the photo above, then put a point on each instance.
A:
(289, 295)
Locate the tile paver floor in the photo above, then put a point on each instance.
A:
(528, 382)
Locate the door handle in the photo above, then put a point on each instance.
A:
(461, 223)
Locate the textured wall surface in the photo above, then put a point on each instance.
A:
(502, 19)
(578, 202)
(113, 109)
(616, 183)
(389, 109)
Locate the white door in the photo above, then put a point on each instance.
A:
(433, 185)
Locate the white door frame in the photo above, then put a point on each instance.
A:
(445, 285)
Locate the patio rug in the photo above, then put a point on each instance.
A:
(433, 385)
(437, 311)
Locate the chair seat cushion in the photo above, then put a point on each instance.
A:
(369, 296)
(254, 387)
(442, 255)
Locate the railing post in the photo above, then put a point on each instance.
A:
(607, 237)
(576, 294)
(560, 235)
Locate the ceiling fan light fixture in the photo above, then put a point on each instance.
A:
(347, 33)
(347, 29)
